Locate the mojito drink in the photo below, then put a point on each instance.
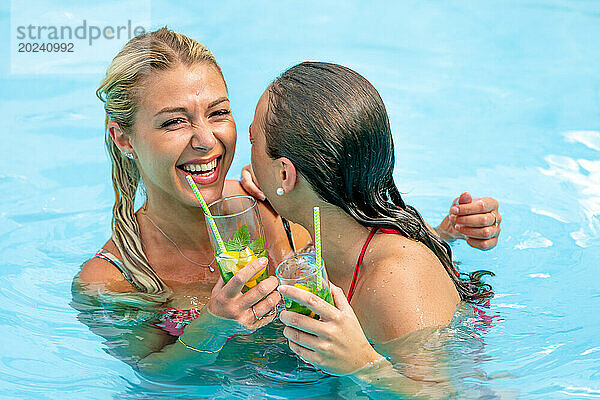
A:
(238, 221)
(232, 260)
(301, 271)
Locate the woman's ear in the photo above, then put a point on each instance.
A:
(287, 174)
(120, 138)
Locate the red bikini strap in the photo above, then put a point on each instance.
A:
(359, 262)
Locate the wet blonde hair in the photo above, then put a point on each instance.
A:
(120, 91)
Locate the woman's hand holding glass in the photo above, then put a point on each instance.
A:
(335, 343)
(250, 310)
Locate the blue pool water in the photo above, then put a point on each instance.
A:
(498, 98)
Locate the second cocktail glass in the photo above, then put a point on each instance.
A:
(301, 271)
(239, 224)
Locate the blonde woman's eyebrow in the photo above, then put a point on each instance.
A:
(167, 110)
(171, 110)
(218, 101)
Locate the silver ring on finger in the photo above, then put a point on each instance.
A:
(496, 223)
(271, 312)
(254, 312)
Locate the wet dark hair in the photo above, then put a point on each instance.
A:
(332, 124)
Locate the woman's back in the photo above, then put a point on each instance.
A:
(401, 287)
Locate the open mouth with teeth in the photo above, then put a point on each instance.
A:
(201, 169)
(203, 172)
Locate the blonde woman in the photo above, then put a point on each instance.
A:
(168, 116)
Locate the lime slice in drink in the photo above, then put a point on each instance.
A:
(304, 287)
(228, 261)
(246, 256)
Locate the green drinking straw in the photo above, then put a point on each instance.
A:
(317, 220)
(209, 217)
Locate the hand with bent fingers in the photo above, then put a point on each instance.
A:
(248, 181)
(247, 311)
(336, 342)
(475, 220)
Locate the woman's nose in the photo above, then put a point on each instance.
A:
(203, 138)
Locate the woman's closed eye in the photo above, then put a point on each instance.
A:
(220, 113)
(173, 123)
(178, 122)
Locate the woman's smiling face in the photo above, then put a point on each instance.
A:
(184, 126)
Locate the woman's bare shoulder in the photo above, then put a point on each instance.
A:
(99, 272)
(391, 254)
(407, 288)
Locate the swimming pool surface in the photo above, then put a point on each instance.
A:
(500, 98)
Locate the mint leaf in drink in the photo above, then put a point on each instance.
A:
(233, 245)
(243, 236)
(226, 275)
(326, 295)
(258, 246)
(239, 241)
(312, 286)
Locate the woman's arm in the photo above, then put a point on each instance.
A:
(403, 290)
(384, 376)
(199, 345)
(475, 220)
(156, 354)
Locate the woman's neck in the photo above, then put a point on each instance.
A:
(342, 239)
(184, 225)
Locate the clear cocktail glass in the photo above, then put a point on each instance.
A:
(301, 271)
(239, 224)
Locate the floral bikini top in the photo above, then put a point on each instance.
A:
(171, 320)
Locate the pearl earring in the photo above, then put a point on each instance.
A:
(130, 156)
(280, 191)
